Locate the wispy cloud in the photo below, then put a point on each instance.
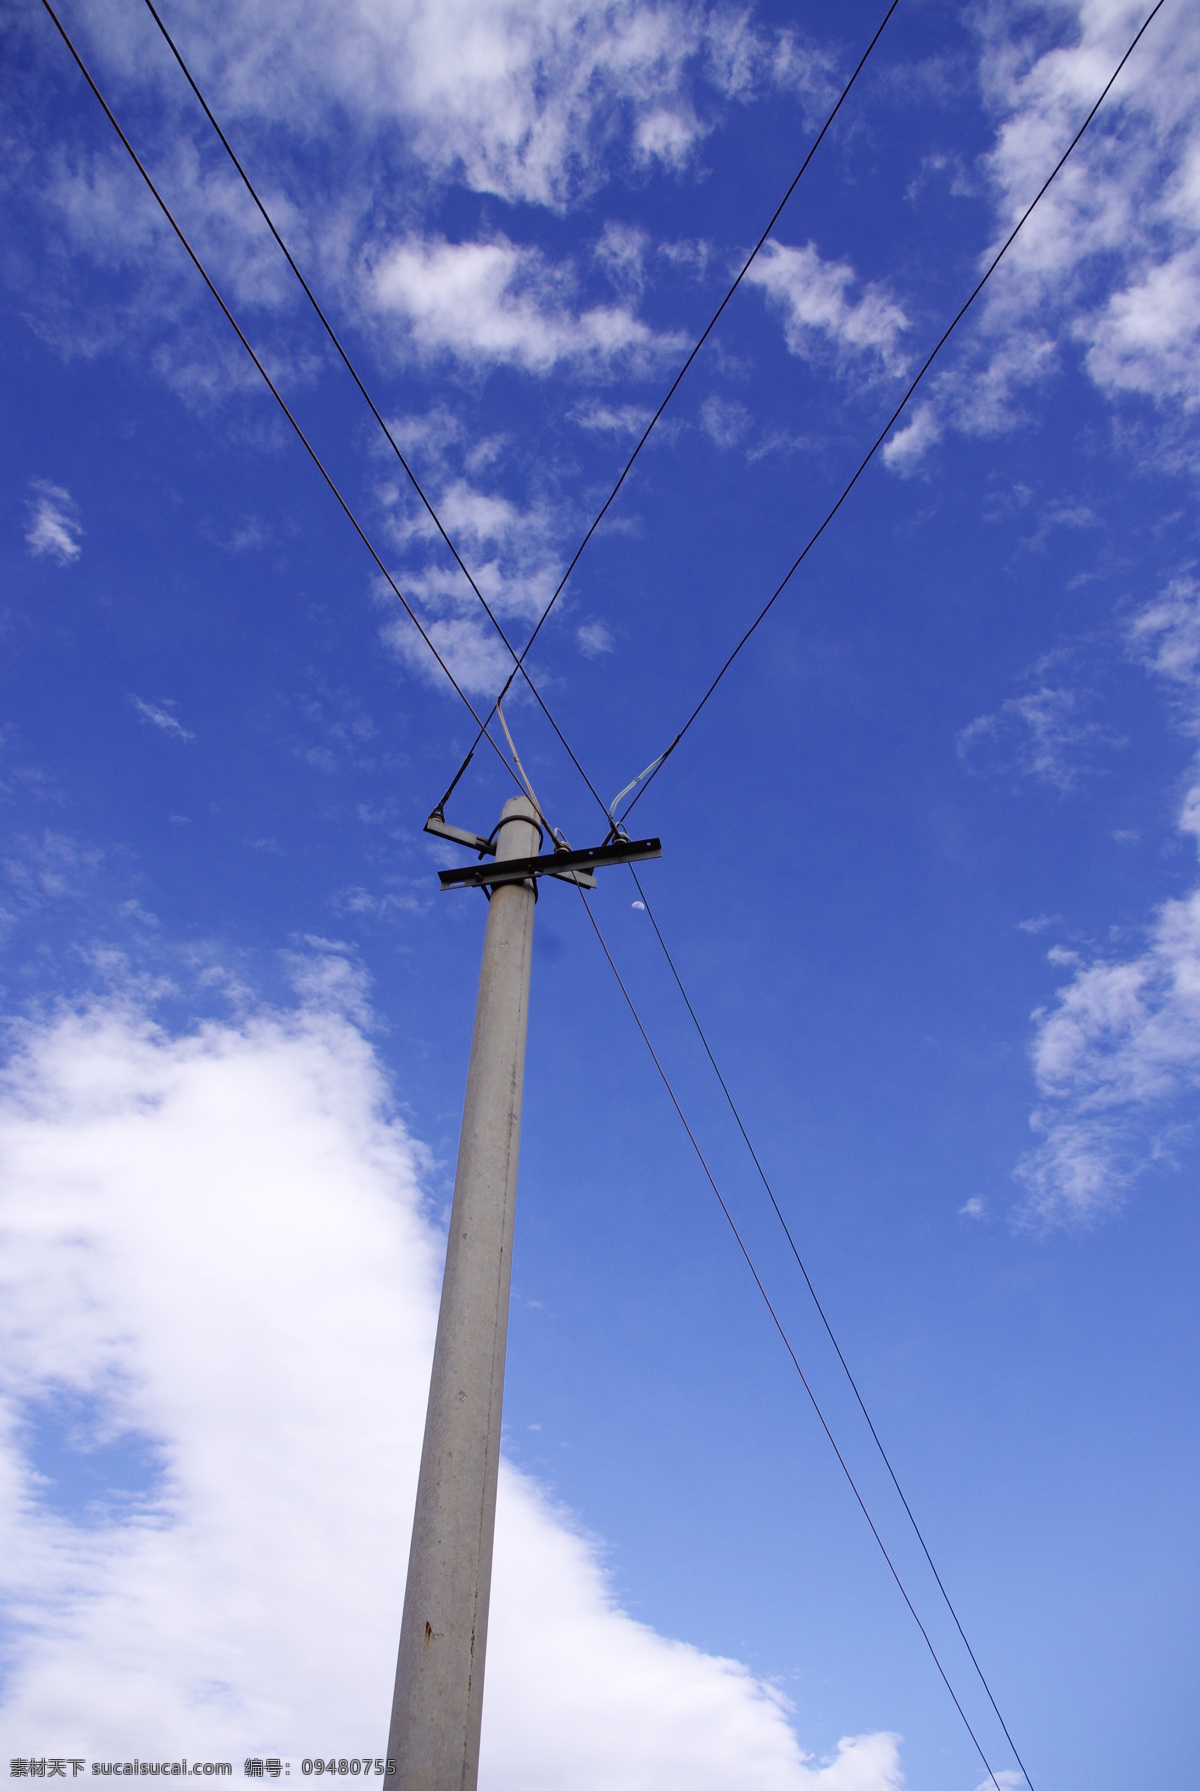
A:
(595, 639)
(510, 548)
(621, 252)
(1109, 264)
(499, 303)
(161, 716)
(724, 420)
(1122, 1039)
(1129, 195)
(53, 527)
(609, 419)
(907, 447)
(470, 648)
(820, 312)
(524, 101)
(1039, 734)
(540, 104)
(51, 867)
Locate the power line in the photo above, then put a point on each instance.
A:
(702, 339)
(787, 1344)
(886, 430)
(787, 1232)
(399, 594)
(518, 661)
(518, 664)
(270, 384)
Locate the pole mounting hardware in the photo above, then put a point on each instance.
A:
(438, 824)
(573, 867)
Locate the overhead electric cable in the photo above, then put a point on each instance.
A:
(518, 661)
(273, 388)
(518, 664)
(787, 1232)
(701, 340)
(887, 428)
(787, 1343)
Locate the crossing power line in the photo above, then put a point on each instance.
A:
(642, 784)
(352, 518)
(892, 420)
(698, 345)
(352, 370)
(518, 665)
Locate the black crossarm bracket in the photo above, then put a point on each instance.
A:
(573, 867)
(439, 825)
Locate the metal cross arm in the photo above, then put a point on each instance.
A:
(549, 864)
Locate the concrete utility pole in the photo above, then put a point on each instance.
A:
(438, 1703)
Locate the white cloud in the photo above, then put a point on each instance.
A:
(1122, 1038)
(904, 450)
(1037, 734)
(102, 213)
(595, 639)
(507, 546)
(1147, 337)
(1038, 924)
(514, 564)
(522, 100)
(608, 419)
(471, 649)
(1129, 194)
(813, 295)
(1166, 636)
(667, 135)
(538, 102)
(621, 252)
(159, 714)
(1111, 258)
(724, 420)
(693, 255)
(496, 303)
(54, 867)
(1061, 955)
(53, 523)
(217, 1248)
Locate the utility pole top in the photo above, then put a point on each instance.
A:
(437, 1710)
(571, 867)
(438, 1705)
(520, 808)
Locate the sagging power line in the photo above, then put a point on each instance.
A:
(821, 1313)
(352, 370)
(519, 776)
(492, 617)
(787, 1343)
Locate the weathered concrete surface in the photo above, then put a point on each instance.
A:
(438, 1706)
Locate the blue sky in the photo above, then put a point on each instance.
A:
(928, 873)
